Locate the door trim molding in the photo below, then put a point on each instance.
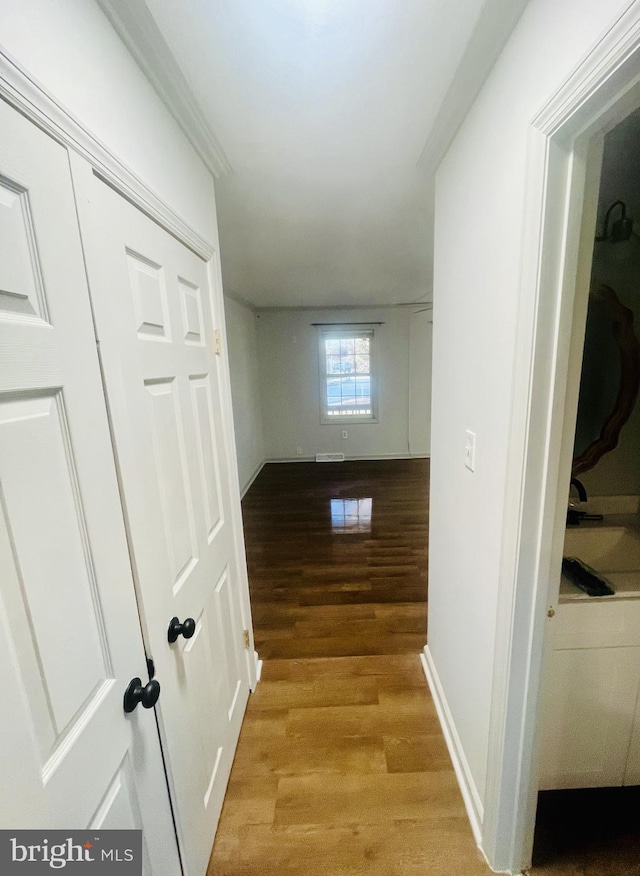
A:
(35, 102)
(602, 89)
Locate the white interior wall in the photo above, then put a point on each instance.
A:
(71, 49)
(244, 369)
(480, 193)
(288, 353)
(420, 350)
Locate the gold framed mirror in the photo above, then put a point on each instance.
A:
(610, 378)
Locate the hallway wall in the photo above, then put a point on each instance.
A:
(244, 371)
(480, 203)
(275, 385)
(288, 348)
(69, 45)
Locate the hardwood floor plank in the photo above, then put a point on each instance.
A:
(294, 757)
(316, 692)
(440, 847)
(416, 753)
(394, 666)
(358, 798)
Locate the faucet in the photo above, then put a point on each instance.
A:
(582, 493)
(575, 517)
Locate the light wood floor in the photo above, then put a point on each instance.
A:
(341, 768)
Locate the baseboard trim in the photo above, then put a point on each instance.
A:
(245, 489)
(355, 458)
(472, 801)
(258, 662)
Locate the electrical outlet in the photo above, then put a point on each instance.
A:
(298, 451)
(470, 450)
(345, 434)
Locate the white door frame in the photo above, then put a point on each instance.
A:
(562, 164)
(33, 100)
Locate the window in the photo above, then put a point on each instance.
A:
(347, 377)
(351, 515)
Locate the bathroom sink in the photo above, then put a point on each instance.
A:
(605, 548)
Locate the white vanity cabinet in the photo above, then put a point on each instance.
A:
(591, 718)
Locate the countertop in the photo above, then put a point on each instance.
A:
(625, 584)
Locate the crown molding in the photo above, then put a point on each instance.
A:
(136, 27)
(602, 67)
(33, 100)
(495, 25)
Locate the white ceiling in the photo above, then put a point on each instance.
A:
(322, 108)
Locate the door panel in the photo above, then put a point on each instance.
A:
(69, 757)
(589, 715)
(154, 317)
(38, 478)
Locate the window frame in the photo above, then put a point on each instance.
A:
(342, 332)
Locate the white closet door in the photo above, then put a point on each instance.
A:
(71, 641)
(154, 318)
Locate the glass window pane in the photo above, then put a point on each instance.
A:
(347, 346)
(363, 389)
(347, 362)
(348, 365)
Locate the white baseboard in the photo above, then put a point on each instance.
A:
(353, 458)
(244, 490)
(258, 670)
(470, 795)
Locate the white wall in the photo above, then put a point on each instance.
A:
(288, 352)
(244, 368)
(420, 350)
(480, 190)
(70, 48)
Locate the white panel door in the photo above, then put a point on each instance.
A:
(154, 318)
(71, 641)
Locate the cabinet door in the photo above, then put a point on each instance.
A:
(588, 717)
(153, 304)
(69, 756)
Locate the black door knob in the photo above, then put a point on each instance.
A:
(136, 693)
(186, 629)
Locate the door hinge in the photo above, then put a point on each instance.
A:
(217, 342)
(247, 640)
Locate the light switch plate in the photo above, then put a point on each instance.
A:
(470, 450)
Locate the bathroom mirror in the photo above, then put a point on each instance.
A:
(610, 378)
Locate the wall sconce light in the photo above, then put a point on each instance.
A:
(621, 228)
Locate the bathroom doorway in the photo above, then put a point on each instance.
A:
(565, 151)
(590, 748)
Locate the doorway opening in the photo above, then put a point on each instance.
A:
(590, 734)
(563, 173)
